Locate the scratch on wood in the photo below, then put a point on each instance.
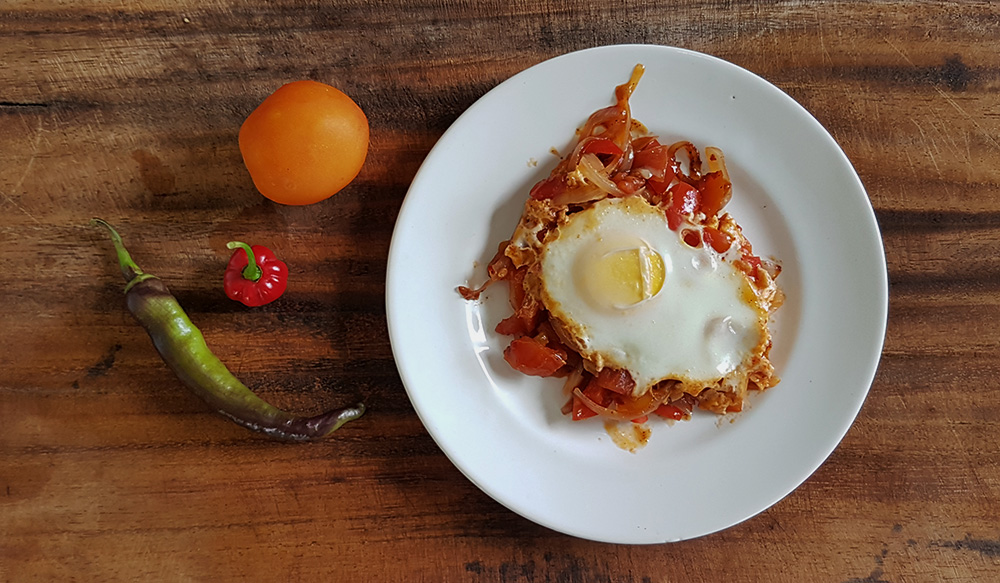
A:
(20, 208)
(898, 50)
(956, 75)
(927, 147)
(909, 160)
(968, 117)
(27, 170)
(822, 38)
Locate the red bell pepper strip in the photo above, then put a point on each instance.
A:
(254, 276)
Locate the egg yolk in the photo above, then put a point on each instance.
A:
(622, 278)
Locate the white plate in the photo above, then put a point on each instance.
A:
(798, 199)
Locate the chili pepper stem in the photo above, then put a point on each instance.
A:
(132, 273)
(252, 271)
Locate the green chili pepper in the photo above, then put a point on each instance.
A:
(183, 348)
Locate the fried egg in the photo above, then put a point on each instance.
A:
(628, 292)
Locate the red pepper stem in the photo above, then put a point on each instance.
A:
(252, 271)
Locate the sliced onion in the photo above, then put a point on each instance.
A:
(693, 162)
(592, 169)
(573, 380)
(627, 157)
(615, 162)
(579, 195)
(773, 268)
(654, 402)
(716, 161)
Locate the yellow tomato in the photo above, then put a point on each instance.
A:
(304, 143)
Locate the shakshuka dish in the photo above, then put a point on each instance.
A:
(627, 280)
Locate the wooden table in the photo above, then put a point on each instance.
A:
(111, 470)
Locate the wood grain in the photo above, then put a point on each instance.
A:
(109, 470)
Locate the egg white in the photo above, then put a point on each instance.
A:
(700, 326)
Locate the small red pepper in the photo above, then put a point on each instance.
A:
(254, 275)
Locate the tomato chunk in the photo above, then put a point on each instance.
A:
(549, 188)
(753, 266)
(531, 357)
(670, 412)
(658, 188)
(655, 160)
(717, 239)
(628, 183)
(581, 411)
(597, 393)
(715, 192)
(512, 326)
(515, 285)
(601, 146)
(617, 380)
(684, 200)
